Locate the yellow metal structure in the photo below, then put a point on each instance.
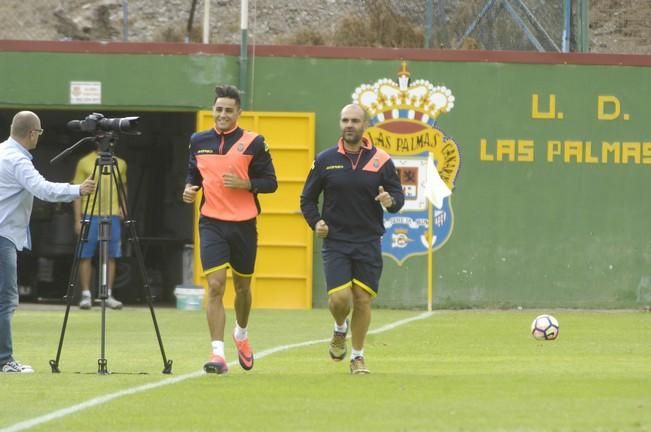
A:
(283, 272)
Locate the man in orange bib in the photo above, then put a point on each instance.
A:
(231, 166)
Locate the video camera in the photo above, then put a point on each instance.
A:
(96, 122)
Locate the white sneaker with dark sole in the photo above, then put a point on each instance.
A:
(13, 366)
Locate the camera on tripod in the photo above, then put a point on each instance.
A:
(104, 130)
(96, 122)
(105, 134)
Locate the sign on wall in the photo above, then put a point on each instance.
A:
(85, 92)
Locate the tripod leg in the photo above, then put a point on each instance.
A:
(104, 238)
(133, 237)
(74, 271)
(102, 362)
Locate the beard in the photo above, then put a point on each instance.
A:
(351, 137)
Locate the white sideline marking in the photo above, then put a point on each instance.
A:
(54, 415)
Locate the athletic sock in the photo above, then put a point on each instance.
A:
(240, 333)
(355, 353)
(85, 293)
(218, 348)
(341, 328)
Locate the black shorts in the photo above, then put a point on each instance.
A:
(228, 244)
(347, 262)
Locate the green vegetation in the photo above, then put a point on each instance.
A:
(378, 25)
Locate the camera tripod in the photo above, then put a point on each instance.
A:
(106, 165)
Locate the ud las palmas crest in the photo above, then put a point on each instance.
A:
(403, 121)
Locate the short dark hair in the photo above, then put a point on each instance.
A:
(227, 91)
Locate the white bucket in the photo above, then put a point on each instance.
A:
(188, 298)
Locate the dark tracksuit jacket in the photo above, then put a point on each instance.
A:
(349, 187)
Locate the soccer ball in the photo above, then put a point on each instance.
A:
(544, 327)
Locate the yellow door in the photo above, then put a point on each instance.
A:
(283, 271)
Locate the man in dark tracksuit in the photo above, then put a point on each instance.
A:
(232, 166)
(357, 180)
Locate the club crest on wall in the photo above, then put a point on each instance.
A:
(403, 121)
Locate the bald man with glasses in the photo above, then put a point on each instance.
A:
(19, 183)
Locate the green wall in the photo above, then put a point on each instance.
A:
(147, 81)
(530, 229)
(527, 233)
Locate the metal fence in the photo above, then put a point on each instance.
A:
(517, 24)
(471, 24)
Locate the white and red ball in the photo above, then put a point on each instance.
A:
(545, 327)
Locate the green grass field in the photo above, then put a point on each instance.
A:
(452, 371)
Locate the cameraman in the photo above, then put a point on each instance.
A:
(19, 182)
(109, 206)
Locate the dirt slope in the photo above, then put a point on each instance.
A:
(617, 26)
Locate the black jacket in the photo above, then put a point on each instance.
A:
(349, 187)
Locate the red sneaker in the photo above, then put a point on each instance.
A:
(216, 364)
(244, 353)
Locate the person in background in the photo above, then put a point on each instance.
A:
(109, 206)
(19, 183)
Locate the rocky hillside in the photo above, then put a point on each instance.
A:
(617, 26)
(620, 26)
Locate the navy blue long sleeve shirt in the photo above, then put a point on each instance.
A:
(350, 184)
